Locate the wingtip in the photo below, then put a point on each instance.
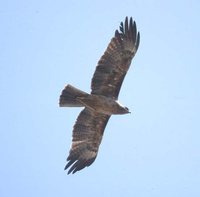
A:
(65, 168)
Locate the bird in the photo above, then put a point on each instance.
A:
(102, 102)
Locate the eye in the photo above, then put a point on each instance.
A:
(127, 108)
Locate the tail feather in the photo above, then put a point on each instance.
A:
(69, 95)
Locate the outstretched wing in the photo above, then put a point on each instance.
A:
(114, 64)
(87, 134)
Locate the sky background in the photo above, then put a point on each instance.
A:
(152, 152)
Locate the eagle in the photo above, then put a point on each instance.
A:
(102, 102)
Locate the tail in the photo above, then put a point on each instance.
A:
(69, 95)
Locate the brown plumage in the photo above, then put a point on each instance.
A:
(102, 102)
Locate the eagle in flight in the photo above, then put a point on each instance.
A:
(102, 102)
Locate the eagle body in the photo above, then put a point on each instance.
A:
(96, 103)
(105, 105)
(102, 102)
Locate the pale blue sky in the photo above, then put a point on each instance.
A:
(153, 152)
